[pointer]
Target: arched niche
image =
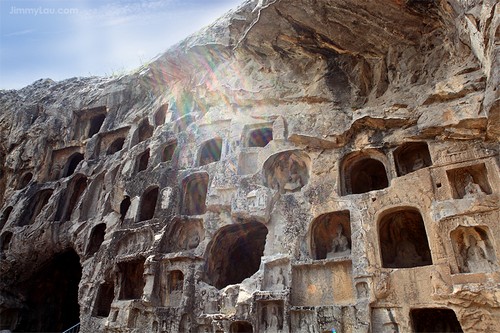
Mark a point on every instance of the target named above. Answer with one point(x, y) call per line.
point(131, 279)
point(363, 172)
point(474, 249)
point(241, 327)
point(35, 206)
point(231, 246)
point(287, 171)
point(144, 132)
point(403, 239)
point(259, 137)
point(141, 162)
point(434, 320)
point(168, 151)
point(147, 204)
point(184, 235)
point(194, 192)
point(160, 115)
point(115, 146)
point(104, 299)
point(72, 164)
point(210, 151)
point(175, 281)
point(25, 180)
point(331, 235)
point(69, 200)
point(92, 199)
point(96, 238)
point(124, 206)
point(469, 181)
point(51, 295)
point(5, 216)
point(5, 240)
point(412, 156)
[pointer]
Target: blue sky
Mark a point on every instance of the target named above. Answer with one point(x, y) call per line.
point(60, 39)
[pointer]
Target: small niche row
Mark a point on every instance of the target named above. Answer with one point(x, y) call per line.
point(403, 241)
point(402, 238)
point(365, 171)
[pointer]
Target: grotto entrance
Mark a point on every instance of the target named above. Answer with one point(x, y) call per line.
point(235, 253)
point(52, 296)
point(435, 320)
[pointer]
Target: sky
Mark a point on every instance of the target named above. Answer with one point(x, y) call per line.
point(60, 39)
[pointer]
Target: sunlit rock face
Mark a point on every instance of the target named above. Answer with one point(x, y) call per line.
point(297, 166)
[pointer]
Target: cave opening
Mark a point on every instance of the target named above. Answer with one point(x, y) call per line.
point(210, 151)
point(148, 204)
point(168, 151)
point(435, 320)
point(412, 156)
point(232, 246)
point(403, 240)
point(195, 193)
point(96, 238)
point(52, 295)
point(241, 327)
point(131, 278)
point(96, 124)
point(104, 299)
point(124, 206)
point(260, 137)
point(73, 162)
point(142, 161)
point(115, 146)
point(362, 174)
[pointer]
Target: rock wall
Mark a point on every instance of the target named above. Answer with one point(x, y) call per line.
point(297, 166)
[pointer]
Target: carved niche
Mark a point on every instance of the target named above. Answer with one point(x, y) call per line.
point(469, 181)
point(403, 240)
point(287, 171)
point(474, 250)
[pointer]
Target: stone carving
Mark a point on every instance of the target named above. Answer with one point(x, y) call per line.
point(473, 249)
point(475, 257)
point(272, 317)
point(471, 188)
point(273, 235)
point(439, 286)
point(287, 172)
point(403, 240)
point(406, 253)
point(340, 244)
point(383, 285)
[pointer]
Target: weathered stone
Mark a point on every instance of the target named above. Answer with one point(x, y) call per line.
point(297, 166)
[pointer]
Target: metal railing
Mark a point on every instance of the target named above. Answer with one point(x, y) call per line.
point(73, 329)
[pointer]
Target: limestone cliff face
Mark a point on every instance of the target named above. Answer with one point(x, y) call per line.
point(297, 166)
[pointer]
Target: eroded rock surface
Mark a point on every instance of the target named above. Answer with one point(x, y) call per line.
point(297, 166)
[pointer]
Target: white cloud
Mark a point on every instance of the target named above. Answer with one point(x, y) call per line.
point(21, 32)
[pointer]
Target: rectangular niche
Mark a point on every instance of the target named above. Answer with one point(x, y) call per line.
point(469, 181)
point(276, 276)
point(131, 278)
point(318, 284)
point(271, 316)
point(303, 320)
point(105, 296)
